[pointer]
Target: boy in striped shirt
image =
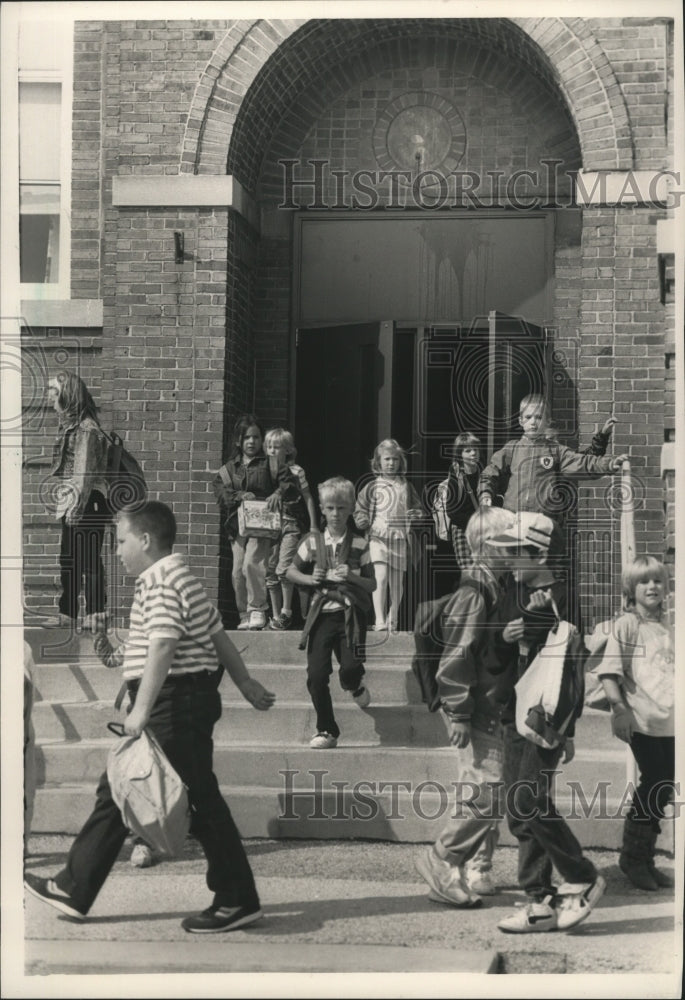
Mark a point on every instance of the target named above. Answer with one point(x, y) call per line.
point(172, 674)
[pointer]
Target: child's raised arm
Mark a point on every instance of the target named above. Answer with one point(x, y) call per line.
point(311, 509)
point(232, 661)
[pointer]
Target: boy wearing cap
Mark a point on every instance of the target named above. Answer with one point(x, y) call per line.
point(545, 840)
point(472, 687)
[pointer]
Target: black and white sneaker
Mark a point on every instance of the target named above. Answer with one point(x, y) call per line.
point(45, 889)
point(575, 903)
point(215, 919)
point(531, 918)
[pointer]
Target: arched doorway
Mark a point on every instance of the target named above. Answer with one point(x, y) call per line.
point(331, 154)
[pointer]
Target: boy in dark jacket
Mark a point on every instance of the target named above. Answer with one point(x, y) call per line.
point(530, 605)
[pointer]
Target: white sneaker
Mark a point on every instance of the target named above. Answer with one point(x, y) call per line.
point(531, 918)
point(257, 621)
point(323, 741)
point(362, 697)
point(244, 623)
point(576, 902)
point(445, 880)
point(479, 882)
point(141, 856)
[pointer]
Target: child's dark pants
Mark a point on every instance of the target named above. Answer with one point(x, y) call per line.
point(182, 721)
point(327, 637)
point(544, 837)
point(655, 757)
point(80, 558)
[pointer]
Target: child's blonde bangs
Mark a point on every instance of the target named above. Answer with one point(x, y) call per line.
point(640, 570)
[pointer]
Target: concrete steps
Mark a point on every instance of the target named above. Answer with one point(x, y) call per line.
point(391, 776)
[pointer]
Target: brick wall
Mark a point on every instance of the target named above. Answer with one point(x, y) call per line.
point(622, 366)
point(637, 49)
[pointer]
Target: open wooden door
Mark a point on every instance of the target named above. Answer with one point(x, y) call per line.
point(341, 375)
point(473, 378)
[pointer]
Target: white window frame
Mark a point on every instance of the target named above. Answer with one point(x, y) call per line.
point(60, 289)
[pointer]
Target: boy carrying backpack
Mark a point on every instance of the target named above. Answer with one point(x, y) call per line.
point(545, 839)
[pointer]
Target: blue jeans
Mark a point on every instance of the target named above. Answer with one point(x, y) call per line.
point(472, 834)
point(249, 573)
point(544, 837)
point(182, 720)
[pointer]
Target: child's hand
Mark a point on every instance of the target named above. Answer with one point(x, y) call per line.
point(257, 694)
point(569, 751)
point(99, 621)
point(339, 574)
point(248, 496)
point(608, 426)
point(319, 574)
point(273, 502)
point(617, 462)
point(622, 722)
point(513, 631)
point(540, 599)
point(459, 733)
point(414, 514)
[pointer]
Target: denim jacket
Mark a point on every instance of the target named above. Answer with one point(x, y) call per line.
point(79, 457)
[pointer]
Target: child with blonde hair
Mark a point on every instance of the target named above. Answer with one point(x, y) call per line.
point(638, 676)
point(334, 564)
point(297, 516)
point(385, 508)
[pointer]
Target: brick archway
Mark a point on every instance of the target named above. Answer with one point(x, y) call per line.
point(261, 66)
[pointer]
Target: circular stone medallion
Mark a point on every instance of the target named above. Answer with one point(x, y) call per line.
point(419, 131)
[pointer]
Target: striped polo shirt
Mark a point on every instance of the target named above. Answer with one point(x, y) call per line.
point(170, 603)
point(359, 560)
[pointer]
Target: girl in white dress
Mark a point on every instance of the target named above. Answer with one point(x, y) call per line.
point(385, 508)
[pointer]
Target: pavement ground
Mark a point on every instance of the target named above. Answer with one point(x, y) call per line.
point(356, 909)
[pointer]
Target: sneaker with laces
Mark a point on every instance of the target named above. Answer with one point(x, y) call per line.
point(215, 919)
point(531, 918)
point(45, 889)
point(323, 741)
point(362, 697)
point(282, 623)
point(257, 621)
point(479, 882)
point(244, 623)
point(446, 881)
point(575, 903)
point(142, 856)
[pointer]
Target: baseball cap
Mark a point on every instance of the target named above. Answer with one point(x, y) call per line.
point(529, 528)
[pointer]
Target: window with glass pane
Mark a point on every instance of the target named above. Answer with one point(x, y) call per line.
point(40, 107)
